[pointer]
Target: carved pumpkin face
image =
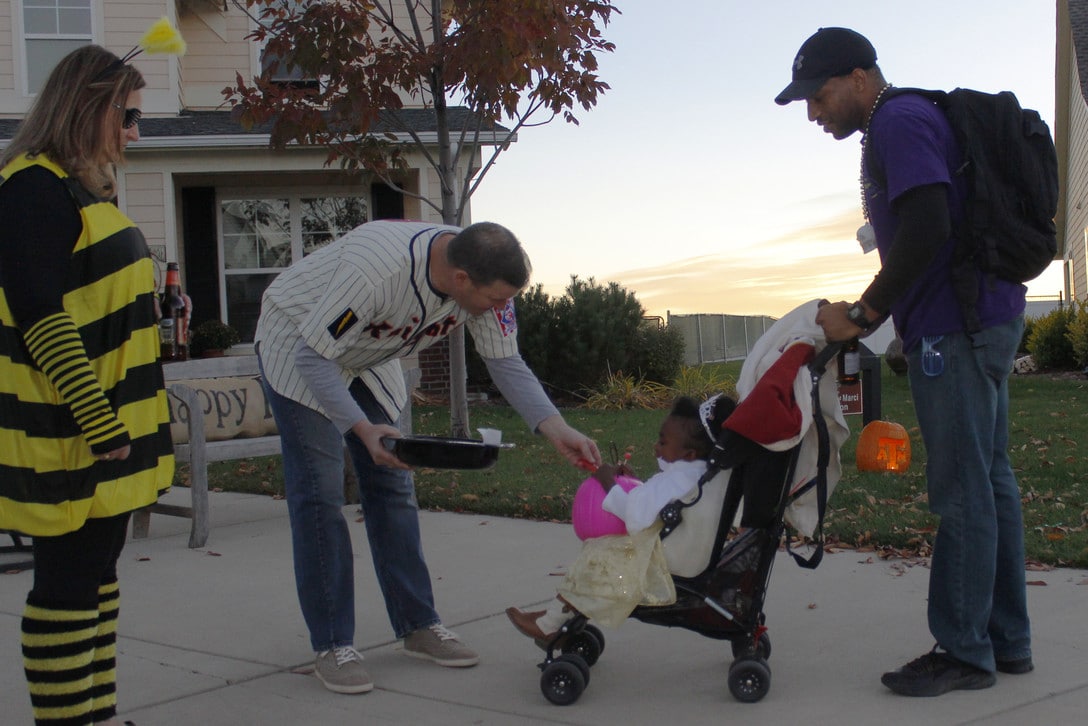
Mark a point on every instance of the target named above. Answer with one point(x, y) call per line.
point(883, 446)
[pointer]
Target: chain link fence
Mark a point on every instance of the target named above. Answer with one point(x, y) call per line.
point(711, 338)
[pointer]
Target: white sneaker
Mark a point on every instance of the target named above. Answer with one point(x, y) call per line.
point(341, 670)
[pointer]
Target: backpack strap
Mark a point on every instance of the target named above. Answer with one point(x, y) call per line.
point(817, 369)
point(873, 166)
point(964, 280)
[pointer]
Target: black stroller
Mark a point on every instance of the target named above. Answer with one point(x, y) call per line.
point(724, 601)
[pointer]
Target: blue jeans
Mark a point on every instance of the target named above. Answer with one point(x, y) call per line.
point(313, 469)
point(977, 589)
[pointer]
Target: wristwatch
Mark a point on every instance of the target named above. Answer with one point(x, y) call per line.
point(856, 315)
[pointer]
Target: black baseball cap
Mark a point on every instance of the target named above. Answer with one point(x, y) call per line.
point(828, 53)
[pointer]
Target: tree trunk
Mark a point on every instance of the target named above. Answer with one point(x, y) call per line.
point(458, 384)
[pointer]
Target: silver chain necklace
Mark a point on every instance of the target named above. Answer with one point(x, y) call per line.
point(864, 148)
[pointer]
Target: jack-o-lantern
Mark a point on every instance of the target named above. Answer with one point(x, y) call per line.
point(883, 446)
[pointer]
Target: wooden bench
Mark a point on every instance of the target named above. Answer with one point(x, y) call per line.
point(198, 452)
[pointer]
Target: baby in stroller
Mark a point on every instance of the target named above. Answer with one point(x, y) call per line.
point(613, 574)
point(774, 461)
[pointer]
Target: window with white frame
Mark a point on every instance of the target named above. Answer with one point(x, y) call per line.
point(51, 30)
point(260, 236)
point(279, 67)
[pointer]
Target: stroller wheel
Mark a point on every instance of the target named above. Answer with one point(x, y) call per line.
point(596, 633)
point(744, 647)
point(578, 661)
point(584, 644)
point(562, 682)
point(749, 679)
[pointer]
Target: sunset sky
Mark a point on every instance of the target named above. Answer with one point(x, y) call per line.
point(690, 187)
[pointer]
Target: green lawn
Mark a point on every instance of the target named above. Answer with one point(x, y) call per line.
point(881, 511)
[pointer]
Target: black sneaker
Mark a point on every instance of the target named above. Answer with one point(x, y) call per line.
point(1016, 666)
point(936, 673)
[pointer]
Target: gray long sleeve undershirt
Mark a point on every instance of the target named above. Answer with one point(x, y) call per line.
point(521, 389)
point(513, 378)
point(323, 378)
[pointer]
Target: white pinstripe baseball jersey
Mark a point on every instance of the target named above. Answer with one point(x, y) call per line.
point(366, 301)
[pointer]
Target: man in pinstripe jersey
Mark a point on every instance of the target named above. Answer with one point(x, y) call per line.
point(331, 334)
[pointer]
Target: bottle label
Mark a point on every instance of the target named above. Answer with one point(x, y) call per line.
point(851, 364)
point(167, 332)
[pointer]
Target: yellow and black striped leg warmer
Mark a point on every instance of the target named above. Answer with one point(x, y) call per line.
point(104, 665)
point(58, 651)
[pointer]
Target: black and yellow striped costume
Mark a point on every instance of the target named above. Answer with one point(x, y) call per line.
point(83, 380)
point(79, 376)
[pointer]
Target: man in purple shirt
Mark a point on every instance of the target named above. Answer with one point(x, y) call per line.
point(913, 202)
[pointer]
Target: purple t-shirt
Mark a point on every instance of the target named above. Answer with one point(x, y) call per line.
point(911, 141)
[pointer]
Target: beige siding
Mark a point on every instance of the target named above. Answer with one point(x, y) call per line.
point(125, 23)
point(152, 180)
point(7, 48)
point(1077, 192)
point(217, 51)
point(143, 202)
point(118, 26)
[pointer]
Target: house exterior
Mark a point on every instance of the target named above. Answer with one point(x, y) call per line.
point(1071, 140)
point(205, 192)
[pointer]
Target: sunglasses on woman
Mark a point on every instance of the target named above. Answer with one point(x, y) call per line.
point(132, 117)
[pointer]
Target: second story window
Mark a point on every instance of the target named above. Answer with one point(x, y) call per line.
point(279, 67)
point(51, 30)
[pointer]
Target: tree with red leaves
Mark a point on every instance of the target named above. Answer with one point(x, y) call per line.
point(507, 64)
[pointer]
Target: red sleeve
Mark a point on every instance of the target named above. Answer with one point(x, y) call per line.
point(770, 413)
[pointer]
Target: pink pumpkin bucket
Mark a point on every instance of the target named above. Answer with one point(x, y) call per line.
point(586, 514)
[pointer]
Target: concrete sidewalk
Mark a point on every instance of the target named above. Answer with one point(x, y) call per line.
point(215, 637)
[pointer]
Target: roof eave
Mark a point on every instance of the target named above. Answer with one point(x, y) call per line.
point(257, 141)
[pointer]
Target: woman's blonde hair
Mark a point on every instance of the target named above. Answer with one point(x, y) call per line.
point(76, 119)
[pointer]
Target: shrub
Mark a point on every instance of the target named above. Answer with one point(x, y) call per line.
point(1077, 334)
point(618, 392)
point(599, 325)
point(702, 382)
point(212, 335)
point(1029, 325)
point(573, 342)
point(1049, 344)
point(659, 353)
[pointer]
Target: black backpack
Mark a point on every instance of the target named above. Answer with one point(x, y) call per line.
point(1011, 172)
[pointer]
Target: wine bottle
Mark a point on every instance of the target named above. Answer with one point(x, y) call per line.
point(173, 326)
point(850, 362)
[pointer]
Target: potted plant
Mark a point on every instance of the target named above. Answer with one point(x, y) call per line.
point(211, 338)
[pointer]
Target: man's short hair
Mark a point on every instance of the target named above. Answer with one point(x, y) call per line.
point(489, 253)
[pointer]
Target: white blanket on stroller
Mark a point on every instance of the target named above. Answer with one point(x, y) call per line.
point(798, 328)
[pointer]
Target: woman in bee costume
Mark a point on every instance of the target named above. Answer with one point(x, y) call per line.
point(84, 429)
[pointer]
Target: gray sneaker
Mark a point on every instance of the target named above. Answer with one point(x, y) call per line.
point(341, 670)
point(440, 645)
